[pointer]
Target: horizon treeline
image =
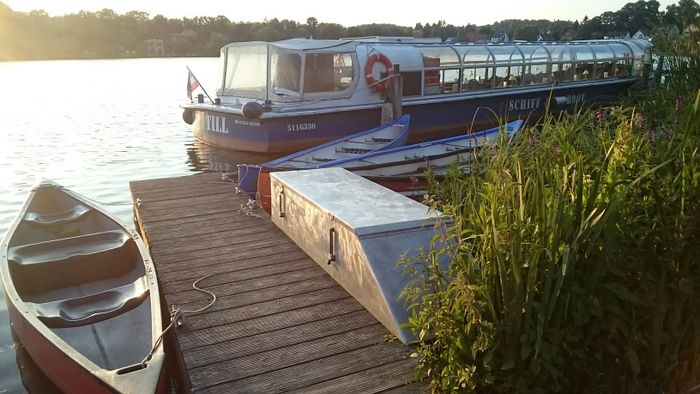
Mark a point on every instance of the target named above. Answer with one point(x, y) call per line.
point(105, 34)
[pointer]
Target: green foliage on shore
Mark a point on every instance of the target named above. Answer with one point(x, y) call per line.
point(576, 258)
point(106, 34)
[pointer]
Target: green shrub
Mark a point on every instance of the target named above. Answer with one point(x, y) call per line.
point(575, 264)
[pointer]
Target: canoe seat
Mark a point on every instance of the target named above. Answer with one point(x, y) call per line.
point(51, 219)
point(378, 139)
point(64, 262)
point(321, 159)
point(356, 151)
point(92, 308)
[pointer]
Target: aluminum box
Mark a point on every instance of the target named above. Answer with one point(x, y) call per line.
point(357, 231)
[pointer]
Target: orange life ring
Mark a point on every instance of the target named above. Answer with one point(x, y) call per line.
point(377, 57)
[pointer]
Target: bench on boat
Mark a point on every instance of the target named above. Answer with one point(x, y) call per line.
point(73, 214)
point(92, 308)
point(50, 265)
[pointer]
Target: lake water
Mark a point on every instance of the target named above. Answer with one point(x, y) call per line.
point(93, 126)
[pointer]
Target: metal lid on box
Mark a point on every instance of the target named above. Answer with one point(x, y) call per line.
point(360, 204)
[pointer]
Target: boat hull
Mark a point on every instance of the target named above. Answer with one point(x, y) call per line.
point(431, 117)
point(62, 370)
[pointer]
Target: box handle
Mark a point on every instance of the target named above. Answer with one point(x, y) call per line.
point(281, 201)
point(331, 246)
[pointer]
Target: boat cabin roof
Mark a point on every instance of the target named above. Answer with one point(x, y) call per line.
point(309, 69)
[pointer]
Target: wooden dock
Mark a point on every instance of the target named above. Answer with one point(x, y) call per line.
point(280, 323)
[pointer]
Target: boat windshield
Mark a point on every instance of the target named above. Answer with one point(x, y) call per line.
point(246, 71)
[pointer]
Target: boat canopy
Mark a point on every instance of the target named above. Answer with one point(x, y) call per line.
point(305, 69)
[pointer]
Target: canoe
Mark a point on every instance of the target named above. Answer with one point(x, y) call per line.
point(389, 135)
point(401, 169)
point(82, 295)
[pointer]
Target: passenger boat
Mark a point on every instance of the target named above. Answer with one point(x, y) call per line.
point(82, 296)
point(389, 135)
point(289, 95)
point(399, 168)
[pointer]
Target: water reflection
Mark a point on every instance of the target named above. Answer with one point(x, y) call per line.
point(206, 158)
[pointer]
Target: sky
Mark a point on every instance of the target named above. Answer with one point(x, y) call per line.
point(347, 13)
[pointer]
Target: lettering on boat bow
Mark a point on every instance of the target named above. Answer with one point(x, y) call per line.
point(244, 122)
point(571, 99)
point(524, 104)
point(216, 124)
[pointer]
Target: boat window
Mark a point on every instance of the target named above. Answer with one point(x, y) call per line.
point(604, 67)
point(432, 75)
point(478, 55)
point(445, 56)
point(560, 53)
point(286, 73)
point(623, 61)
point(328, 72)
point(506, 54)
point(449, 81)
point(584, 68)
point(562, 72)
point(508, 76)
point(476, 79)
point(535, 54)
point(246, 71)
point(536, 74)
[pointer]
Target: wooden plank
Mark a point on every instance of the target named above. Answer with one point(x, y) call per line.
point(180, 181)
point(212, 226)
point(187, 212)
point(278, 338)
point(229, 209)
point(277, 292)
point(312, 372)
point(189, 262)
point(187, 191)
point(217, 334)
point(162, 207)
point(265, 361)
point(225, 314)
point(265, 282)
point(215, 238)
point(391, 376)
point(241, 237)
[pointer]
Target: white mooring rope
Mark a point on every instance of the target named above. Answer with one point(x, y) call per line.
point(177, 318)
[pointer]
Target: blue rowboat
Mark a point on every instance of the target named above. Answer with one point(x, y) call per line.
point(397, 168)
point(389, 135)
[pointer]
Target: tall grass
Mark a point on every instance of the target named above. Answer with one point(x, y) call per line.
point(576, 258)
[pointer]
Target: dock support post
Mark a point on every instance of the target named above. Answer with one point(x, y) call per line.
point(396, 92)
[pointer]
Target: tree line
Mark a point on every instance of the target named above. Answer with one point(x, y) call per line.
point(106, 34)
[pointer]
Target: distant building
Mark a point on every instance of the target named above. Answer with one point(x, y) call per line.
point(500, 36)
point(639, 35)
point(154, 47)
point(568, 35)
point(546, 36)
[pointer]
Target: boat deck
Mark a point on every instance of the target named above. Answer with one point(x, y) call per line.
point(280, 323)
